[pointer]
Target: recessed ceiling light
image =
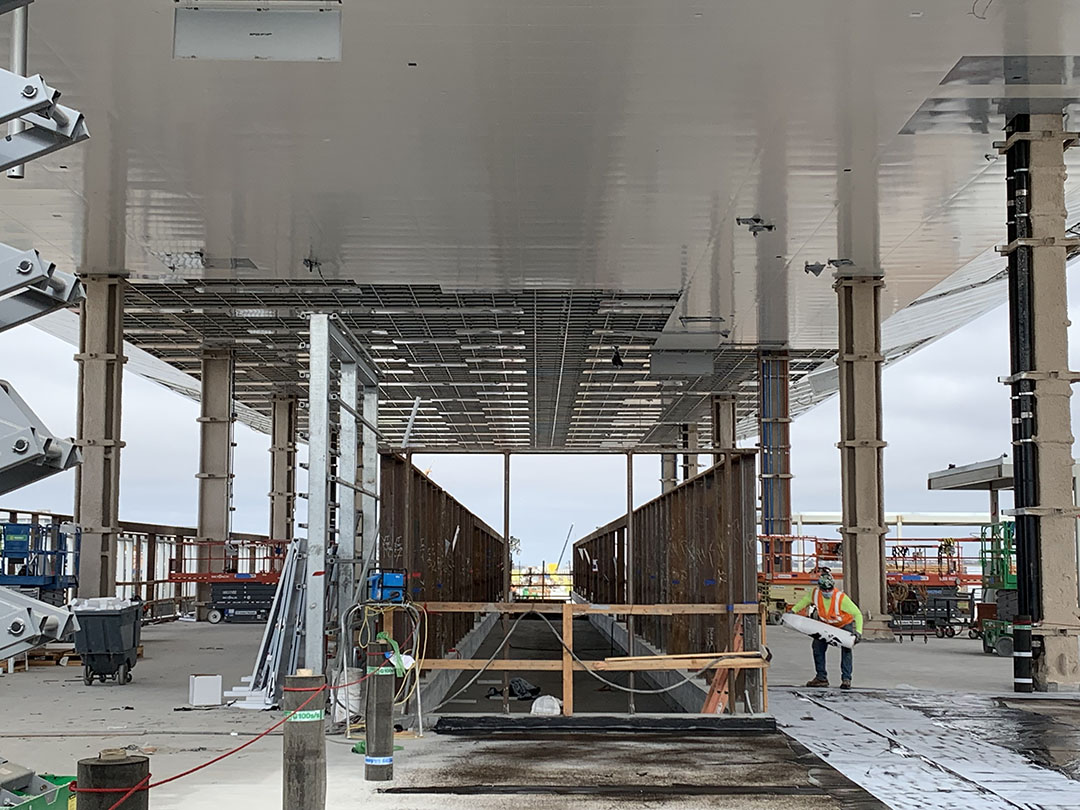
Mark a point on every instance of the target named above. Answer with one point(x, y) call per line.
point(915, 14)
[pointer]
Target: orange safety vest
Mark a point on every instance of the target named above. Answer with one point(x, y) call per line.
point(830, 612)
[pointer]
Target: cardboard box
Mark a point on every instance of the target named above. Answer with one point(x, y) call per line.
point(204, 690)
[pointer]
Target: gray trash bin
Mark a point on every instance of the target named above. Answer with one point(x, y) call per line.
point(108, 642)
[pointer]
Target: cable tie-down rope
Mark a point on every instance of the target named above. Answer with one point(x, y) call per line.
point(146, 784)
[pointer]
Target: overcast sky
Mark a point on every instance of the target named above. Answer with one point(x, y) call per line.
point(943, 405)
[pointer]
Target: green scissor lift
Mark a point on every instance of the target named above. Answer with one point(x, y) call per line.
point(997, 554)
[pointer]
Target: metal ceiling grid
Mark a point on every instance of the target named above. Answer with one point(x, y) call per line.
point(493, 370)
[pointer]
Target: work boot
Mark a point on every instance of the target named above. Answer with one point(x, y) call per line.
point(845, 684)
point(818, 682)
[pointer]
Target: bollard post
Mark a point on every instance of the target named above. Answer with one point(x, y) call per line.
point(304, 749)
point(379, 726)
point(1022, 679)
point(110, 771)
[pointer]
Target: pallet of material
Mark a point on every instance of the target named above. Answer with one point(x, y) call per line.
point(61, 657)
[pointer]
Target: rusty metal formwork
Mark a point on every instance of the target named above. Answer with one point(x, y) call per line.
point(696, 544)
point(451, 555)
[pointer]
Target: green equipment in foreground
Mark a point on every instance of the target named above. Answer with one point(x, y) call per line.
point(23, 789)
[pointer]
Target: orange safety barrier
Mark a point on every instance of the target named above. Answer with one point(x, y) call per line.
point(247, 560)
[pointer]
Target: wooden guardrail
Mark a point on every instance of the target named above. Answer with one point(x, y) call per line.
point(734, 662)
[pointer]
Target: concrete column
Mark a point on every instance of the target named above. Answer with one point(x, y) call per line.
point(215, 460)
point(689, 437)
point(1047, 577)
point(861, 445)
point(723, 422)
point(284, 419)
point(668, 472)
point(97, 480)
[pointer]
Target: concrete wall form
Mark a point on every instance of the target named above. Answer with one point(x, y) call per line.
point(451, 555)
point(695, 544)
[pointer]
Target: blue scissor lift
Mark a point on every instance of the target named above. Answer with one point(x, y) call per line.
point(44, 557)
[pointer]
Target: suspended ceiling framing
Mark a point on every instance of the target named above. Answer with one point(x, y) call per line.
point(549, 156)
point(516, 369)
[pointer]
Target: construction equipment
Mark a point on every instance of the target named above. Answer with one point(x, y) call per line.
point(28, 451)
point(27, 623)
point(21, 788)
point(42, 560)
point(997, 555)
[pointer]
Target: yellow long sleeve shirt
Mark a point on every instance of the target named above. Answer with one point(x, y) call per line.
point(846, 604)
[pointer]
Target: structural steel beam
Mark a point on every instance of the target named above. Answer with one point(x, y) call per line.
point(215, 474)
point(862, 492)
point(1046, 545)
point(284, 418)
point(97, 479)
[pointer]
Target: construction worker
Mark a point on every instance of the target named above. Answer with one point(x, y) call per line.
point(834, 607)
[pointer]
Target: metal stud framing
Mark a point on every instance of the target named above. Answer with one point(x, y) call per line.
point(332, 352)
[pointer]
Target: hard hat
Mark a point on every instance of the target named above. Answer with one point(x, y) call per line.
point(825, 580)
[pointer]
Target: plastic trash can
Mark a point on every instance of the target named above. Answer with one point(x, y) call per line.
point(108, 641)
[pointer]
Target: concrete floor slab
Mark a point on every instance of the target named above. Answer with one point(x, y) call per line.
point(925, 747)
point(950, 664)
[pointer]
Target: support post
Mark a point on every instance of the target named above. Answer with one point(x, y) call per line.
point(379, 728)
point(369, 474)
point(507, 575)
point(20, 41)
point(723, 424)
point(774, 432)
point(318, 536)
point(861, 444)
point(215, 465)
point(689, 436)
point(111, 770)
point(567, 660)
point(631, 558)
point(284, 416)
point(304, 744)
point(1041, 383)
point(97, 480)
point(348, 498)
point(668, 472)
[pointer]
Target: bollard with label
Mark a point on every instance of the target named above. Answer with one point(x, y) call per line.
point(304, 750)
